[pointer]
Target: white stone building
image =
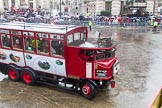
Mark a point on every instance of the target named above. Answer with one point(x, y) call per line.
point(96, 6)
point(24, 4)
point(89, 7)
point(115, 7)
point(93, 7)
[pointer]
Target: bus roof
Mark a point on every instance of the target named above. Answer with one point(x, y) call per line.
point(40, 27)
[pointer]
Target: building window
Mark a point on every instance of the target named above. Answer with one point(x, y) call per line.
point(23, 3)
point(108, 6)
point(140, 1)
point(31, 5)
point(13, 2)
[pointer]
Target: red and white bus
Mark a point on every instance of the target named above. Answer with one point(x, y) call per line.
point(58, 55)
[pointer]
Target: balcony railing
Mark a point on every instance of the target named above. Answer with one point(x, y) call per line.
point(138, 5)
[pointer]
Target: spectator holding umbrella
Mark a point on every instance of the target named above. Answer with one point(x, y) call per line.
point(159, 20)
point(119, 20)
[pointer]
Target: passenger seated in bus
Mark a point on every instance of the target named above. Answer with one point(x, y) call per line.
point(28, 45)
point(38, 43)
point(60, 48)
point(6, 41)
point(54, 44)
point(17, 43)
point(56, 47)
point(44, 46)
point(53, 51)
point(86, 55)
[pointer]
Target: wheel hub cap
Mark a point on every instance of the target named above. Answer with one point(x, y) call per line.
point(86, 89)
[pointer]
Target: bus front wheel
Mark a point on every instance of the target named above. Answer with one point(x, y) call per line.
point(28, 77)
point(13, 74)
point(88, 90)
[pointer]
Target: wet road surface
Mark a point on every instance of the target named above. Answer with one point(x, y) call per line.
point(140, 55)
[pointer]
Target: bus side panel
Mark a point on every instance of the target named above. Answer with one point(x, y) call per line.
point(46, 64)
point(76, 69)
point(75, 66)
point(12, 57)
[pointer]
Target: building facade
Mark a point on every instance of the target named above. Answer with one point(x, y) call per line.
point(117, 7)
point(8, 4)
point(93, 7)
point(88, 7)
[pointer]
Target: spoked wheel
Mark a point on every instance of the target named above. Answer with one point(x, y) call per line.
point(13, 74)
point(88, 90)
point(28, 77)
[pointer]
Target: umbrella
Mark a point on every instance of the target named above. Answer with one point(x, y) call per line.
point(38, 16)
point(61, 19)
point(112, 17)
point(11, 17)
point(66, 16)
point(55, 17)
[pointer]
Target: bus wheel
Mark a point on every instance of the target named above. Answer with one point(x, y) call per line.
point(88, 90)
point(28, 77)
point(13, 74)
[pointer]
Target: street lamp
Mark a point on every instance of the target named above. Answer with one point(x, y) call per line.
point(51, 6)
point(154, 7)
point(60, 8)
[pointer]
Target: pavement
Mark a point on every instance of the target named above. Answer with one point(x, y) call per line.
point(103, 29)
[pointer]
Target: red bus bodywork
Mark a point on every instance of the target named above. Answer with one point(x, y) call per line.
point(75, 61)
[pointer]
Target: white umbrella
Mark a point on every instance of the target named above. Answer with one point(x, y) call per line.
point(66, 16)
point(113, 17)
point(38, 16)
point(61, 19)
point(55, 17)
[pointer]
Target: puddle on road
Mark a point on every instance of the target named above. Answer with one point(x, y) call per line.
point(2, 77)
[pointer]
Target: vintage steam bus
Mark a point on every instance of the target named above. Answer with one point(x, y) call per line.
point(58, 55)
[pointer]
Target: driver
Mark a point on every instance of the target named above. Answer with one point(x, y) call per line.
point(87, 55)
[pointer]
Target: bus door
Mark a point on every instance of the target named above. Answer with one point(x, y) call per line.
point(75, 66)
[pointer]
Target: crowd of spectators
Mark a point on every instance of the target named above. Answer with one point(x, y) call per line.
point(41, 16)
point(128, 21)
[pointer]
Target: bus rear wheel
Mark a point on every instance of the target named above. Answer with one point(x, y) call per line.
point(13, 74)
point(28, 77)
point(88, 90)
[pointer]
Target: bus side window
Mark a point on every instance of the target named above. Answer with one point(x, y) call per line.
point(5, 40)
point(56, 47)
point(43, 47)
point(17, 42)
point(28, 44)
point(70, 39)
point(53, 46)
